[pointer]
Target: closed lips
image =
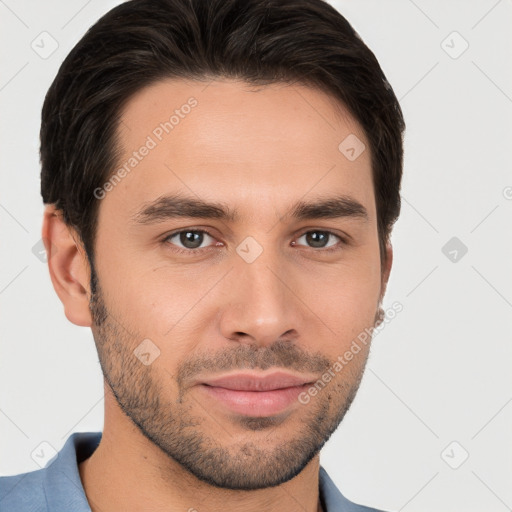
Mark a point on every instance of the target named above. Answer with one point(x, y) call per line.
point(247, 382)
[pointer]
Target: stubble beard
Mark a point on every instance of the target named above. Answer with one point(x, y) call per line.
point(183, 435)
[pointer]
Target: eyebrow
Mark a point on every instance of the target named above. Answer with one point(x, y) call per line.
point(176, 206)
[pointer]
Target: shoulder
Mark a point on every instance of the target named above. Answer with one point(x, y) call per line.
point(23, 493)
point(57, 487)
point(334, 501)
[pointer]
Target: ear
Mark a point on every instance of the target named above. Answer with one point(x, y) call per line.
point(68, 265)
point(386, 270)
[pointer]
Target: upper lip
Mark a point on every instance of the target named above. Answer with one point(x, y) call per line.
point(258, 382)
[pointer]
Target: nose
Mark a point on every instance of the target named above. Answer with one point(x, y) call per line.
point(261, 306)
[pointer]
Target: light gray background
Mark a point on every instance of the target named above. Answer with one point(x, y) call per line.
point(438, 373)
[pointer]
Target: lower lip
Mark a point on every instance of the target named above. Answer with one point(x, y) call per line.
point(256, 403)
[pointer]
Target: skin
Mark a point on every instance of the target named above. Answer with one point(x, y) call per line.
point(166, 444)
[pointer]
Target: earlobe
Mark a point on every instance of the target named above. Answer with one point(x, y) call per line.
point(68, 266)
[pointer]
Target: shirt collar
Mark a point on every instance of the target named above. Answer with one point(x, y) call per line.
point(62, 473)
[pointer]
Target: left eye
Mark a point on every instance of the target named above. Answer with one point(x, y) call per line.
point(190, 239)
point(319, 239)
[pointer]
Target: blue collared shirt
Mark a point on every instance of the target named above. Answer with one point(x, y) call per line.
point(58, 488)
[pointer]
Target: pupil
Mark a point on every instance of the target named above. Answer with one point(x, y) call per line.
point(191, 239)
point(317, 238)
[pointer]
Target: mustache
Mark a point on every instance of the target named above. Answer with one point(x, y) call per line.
point(281, 354)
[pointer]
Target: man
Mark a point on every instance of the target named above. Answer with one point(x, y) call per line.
point(221, 178)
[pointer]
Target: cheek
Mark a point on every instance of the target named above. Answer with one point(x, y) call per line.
point(346, 302)
point(347, 313)
point(163, 304)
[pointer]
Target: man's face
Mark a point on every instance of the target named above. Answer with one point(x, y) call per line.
point(265, 291)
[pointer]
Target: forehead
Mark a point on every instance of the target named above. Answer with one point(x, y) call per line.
point(228, 140)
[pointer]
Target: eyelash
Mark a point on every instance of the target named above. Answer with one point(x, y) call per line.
point(189, 252)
